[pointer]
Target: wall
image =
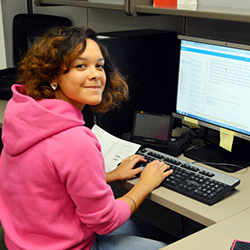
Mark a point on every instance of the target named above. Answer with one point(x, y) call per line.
point(114, 20)
point(9, 9)
point(225, 3)
point(98, 19)
point(219, 29)
point(3, 62)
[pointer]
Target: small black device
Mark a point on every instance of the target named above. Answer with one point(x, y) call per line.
point(155, 130)
point(152, 128)
point(178, 145)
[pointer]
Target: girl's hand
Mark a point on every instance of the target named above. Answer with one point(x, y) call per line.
point(151, 177)
point(154, 173)
point(126, 169)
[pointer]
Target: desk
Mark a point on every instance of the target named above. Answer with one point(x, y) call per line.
point(220, 218)
point(206, 215)
point(219, 236)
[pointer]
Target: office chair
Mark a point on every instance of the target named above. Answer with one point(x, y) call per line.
point(26, 28)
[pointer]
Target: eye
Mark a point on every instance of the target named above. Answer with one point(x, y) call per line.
point(80, 66)
point(100, 66)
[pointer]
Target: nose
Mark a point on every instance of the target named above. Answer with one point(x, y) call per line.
point(94, 74)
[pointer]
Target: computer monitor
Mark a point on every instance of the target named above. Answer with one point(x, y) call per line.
point(214, 89)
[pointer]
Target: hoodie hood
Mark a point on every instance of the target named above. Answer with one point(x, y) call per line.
point(28, 121)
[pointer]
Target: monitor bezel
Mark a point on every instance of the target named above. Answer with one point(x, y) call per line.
point(214, 42)
point(219, 43)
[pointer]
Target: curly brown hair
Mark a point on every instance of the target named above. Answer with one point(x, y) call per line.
point(43, 61)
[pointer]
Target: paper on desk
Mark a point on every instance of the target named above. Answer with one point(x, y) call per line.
point(114, 149)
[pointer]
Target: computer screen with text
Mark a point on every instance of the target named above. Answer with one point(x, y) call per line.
point(214, 85)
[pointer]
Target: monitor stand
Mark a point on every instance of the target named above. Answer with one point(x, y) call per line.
point(214, 154)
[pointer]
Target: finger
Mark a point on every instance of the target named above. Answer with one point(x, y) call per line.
point(156, 162)
point(130, 158)
point(139, 161)
point(168, 172)
point(140, 157)
point(138, 170)
point(135, 158)
point(165, 167)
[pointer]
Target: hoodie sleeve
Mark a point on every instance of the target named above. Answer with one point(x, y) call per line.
point(76, 156)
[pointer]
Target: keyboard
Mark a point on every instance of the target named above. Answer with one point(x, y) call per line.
point(197, 182)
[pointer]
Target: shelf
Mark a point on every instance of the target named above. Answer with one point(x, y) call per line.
point(219, 13)
point(79, 3)
point(137, 7)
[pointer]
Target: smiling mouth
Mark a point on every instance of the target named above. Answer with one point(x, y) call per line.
point(93, 87)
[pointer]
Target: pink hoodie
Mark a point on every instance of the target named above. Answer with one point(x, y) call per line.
point(53, 192)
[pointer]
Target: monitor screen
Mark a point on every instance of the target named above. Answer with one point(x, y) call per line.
point(214, 84)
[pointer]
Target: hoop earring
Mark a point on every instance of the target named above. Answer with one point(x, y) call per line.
point(54, 85)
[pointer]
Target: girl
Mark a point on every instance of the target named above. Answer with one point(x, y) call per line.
point(54, 193)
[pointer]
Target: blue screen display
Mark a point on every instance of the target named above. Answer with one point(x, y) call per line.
point(214, 85)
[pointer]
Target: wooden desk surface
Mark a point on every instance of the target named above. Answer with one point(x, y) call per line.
point(235, 203)
point(219, 236)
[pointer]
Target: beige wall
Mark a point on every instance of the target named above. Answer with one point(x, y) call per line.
point(3, 62)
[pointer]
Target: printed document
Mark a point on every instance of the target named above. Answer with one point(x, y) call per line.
point(114, 149)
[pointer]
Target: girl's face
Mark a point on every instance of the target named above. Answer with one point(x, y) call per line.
point(85, 81)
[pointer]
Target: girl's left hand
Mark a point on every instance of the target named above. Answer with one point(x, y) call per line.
point(126, 170)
